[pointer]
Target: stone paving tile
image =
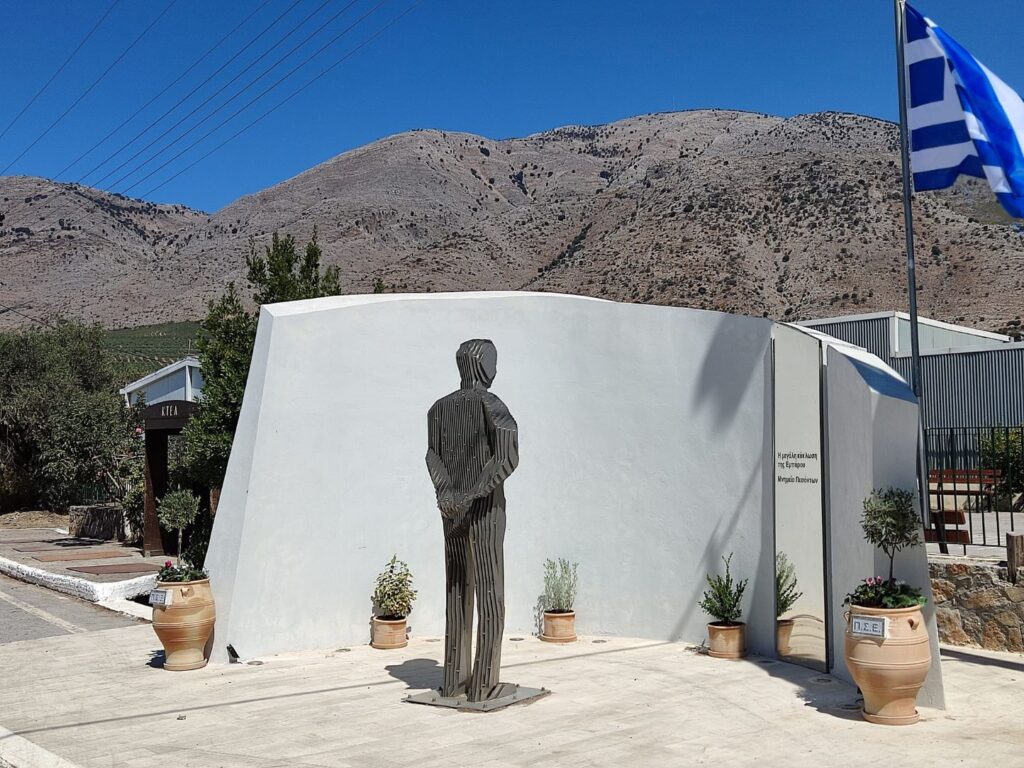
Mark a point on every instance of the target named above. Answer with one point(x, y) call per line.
point(96, 701)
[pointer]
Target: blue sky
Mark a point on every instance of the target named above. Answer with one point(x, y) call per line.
point(495, 68)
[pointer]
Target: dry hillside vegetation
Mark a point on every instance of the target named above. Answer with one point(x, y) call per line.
point(740, 212)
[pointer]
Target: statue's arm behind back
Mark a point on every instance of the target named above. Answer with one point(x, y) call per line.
point(504, 448)
point(438, 473)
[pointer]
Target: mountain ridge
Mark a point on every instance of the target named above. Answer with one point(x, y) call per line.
point(718, 209)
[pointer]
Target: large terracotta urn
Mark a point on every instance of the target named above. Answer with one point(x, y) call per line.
point(889, 670)
point(184, 623)
point(727, 640)
point(559, 627)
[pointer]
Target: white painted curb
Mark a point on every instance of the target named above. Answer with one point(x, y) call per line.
point(19, 752)
point(95, 592)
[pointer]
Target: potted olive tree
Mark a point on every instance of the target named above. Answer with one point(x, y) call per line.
point(786, 595)
point(887, 649)
point(393, 597)
point(723, 601)
point(559, 597)
point(183, 609)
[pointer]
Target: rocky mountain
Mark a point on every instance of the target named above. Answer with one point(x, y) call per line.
point(783, 217)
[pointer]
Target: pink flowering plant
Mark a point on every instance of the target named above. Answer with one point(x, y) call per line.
point(878, 592)
point(890, 523)
point(182, 572)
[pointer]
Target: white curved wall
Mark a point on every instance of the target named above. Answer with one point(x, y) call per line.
point(645, 455)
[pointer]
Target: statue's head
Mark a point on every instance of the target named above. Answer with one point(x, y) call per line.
point(478, 363)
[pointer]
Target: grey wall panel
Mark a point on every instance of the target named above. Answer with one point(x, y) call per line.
point(971, 389)
point(937, 337)
point(873, 334)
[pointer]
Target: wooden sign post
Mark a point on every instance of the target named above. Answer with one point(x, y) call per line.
point(1014, 555)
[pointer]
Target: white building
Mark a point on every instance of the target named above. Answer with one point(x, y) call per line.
point(181, 380)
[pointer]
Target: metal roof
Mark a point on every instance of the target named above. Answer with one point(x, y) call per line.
point(145, 381)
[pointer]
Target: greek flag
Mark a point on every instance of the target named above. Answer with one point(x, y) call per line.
point(962, 118)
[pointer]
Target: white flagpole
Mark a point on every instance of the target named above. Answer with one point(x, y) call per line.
point(908, 225)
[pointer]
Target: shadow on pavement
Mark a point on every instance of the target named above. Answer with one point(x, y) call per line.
point(825, 693)
point(985, 661)
point(417, 673)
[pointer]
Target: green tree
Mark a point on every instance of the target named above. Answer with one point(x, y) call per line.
point(890, 522)
point(178, 510)
point(1002, 449)
point(280, 275)
point(225, 342)
point(63, 426)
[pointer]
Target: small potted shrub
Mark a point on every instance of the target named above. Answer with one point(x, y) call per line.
point(887, 649)
point(183, 609)
point(559, 597)
point(392, 602)
point(722, 601)
point(786, 595)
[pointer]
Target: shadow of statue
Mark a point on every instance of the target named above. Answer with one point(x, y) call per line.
point(156, 659)
point(417, 673)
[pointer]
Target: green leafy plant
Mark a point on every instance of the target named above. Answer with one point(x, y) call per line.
point(560, 579)
point(393, 595)
point(65, 432)
point(786, 593)
point(723, 599)
point(891, 524)
point(225, 343)
point(1003, 450)
point(177, 510)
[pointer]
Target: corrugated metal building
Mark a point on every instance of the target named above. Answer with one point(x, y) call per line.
point(970, 378)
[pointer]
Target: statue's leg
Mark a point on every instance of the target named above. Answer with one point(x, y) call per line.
point(458, 610)
point(487, 536)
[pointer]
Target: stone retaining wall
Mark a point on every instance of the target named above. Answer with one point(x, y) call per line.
point(976, 605)
point(97, 521)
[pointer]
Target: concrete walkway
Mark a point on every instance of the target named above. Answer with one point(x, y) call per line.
point(54, 560)
point(28, 612)
point(95, 700)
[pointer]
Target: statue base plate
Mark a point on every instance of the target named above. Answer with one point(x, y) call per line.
point(509, 694)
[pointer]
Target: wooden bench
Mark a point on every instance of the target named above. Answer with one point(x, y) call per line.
point(950, 492)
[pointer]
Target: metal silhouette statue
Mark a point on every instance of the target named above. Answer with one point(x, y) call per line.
point(473, 447)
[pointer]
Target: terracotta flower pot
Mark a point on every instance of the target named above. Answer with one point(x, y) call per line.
point(889, 671)
point(726, 641)
point(185, 623)
point(783, 633)
point(559, 627)
point(389, 633)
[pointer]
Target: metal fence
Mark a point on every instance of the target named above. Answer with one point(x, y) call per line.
point(976, 480)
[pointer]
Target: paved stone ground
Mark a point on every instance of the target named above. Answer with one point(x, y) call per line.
point(95, 700)
point(11, 539)
point(28, 612)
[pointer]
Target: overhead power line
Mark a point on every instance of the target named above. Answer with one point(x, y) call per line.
point(259, 96)
point(188, 95)
point(90, 88)
point(164, 90)
point(220, 90)
point(281, 103)
point(59, 69)
point(238, 93)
